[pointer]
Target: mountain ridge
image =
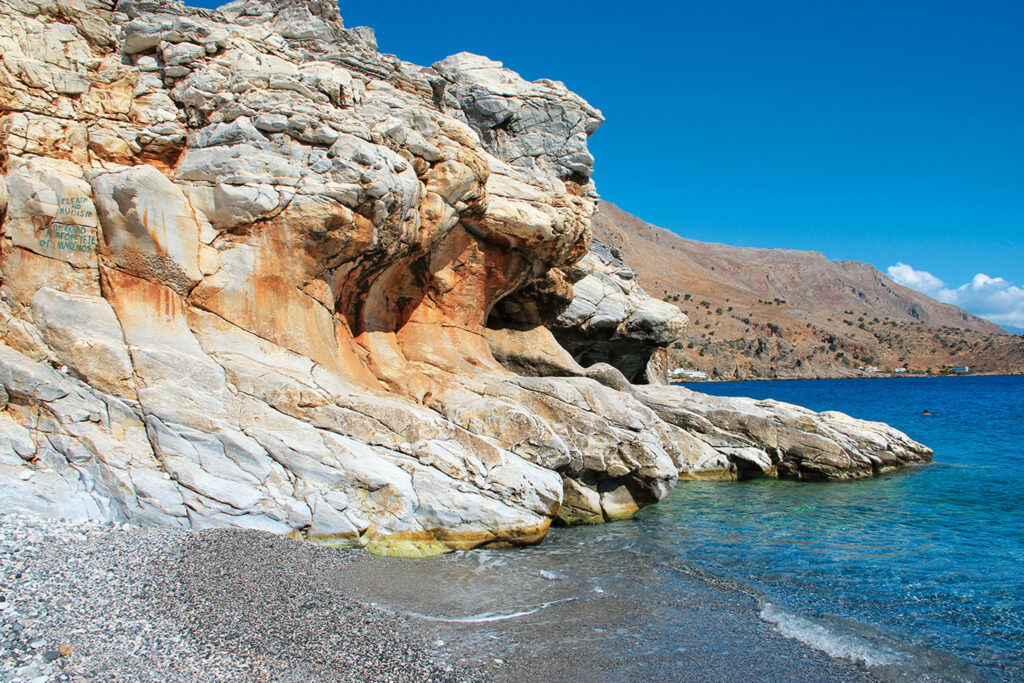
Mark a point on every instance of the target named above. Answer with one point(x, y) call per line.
point(801, 313)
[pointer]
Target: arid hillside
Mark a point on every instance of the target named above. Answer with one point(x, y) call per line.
point(763, 313)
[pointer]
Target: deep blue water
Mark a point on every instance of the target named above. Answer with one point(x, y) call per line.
point(916, 575)
point(932, 556)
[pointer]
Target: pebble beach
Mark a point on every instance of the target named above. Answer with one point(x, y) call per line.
point(85, 601)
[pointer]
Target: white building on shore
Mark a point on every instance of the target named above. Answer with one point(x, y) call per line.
point(682, 374)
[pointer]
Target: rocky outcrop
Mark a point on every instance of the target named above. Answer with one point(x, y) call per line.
point(775, 439)
point(604, 317)
point(612, 320)
point(252, 272)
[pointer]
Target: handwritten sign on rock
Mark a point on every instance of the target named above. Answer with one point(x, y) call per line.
point(63, 233)
point(80, 238)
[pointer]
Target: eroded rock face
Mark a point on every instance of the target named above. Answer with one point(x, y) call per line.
point(248, 264)
point(612, 320)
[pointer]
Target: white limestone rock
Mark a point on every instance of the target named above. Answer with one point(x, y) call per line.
point(248, 262)
point(148, 226)
point(85, 335)
point(612, 320)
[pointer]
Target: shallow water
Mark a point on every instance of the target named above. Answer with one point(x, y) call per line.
point(933, 556)
point(911, 576)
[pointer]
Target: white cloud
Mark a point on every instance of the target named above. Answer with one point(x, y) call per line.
point(921, 280)
point(992, 298)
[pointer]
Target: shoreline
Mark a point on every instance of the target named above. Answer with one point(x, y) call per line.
point(85, 601)
point(606, 618)
point(871, 376)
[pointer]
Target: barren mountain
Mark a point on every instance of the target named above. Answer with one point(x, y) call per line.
point(786, 313)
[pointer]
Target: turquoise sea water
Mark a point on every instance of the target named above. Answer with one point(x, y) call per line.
point(916, 575)
point(931, 557)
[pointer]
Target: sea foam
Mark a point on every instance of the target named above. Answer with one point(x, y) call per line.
point(827, 640)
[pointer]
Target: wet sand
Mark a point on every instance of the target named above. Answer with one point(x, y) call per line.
point(621, 633)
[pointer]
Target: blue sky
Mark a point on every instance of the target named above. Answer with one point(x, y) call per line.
point(887, 132)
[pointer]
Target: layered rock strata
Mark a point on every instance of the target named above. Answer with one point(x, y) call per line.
point(248, 264)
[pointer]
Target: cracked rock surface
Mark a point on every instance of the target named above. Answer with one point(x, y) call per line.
point(248, 269)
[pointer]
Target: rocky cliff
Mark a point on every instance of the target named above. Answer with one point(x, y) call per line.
point(612, 319)
point(252, 275)
point(785, 313)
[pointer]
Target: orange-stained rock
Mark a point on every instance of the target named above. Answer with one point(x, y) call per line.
point(247, 278)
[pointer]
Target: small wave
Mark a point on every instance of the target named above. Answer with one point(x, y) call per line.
point(820, 637)
point(488, 616)
point(888, 658)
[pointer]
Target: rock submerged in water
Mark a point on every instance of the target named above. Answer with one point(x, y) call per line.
point(253, 273)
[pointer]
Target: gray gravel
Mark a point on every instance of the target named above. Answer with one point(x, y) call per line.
point(82, 601)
